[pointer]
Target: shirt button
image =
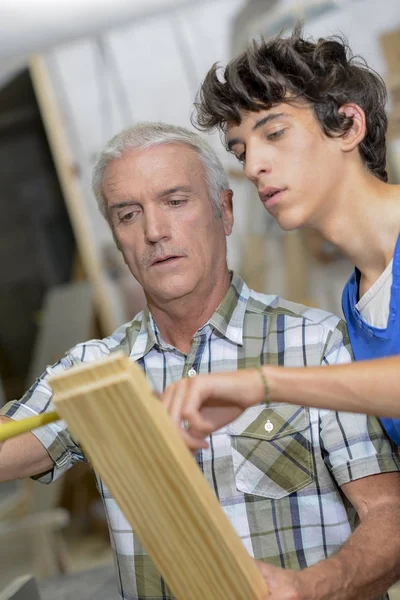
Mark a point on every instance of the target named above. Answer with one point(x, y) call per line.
point(268, 426)
point(192, 373)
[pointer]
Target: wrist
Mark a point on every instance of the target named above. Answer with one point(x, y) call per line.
point(323, 581)
point(268, 384)
point(267, 396)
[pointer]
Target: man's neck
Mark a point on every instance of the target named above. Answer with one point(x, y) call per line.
point(179, 319)
point(363, 221)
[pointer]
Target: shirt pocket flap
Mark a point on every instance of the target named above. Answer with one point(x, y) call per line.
point(270, 423)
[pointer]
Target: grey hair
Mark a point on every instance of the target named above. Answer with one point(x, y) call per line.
point(146, 135)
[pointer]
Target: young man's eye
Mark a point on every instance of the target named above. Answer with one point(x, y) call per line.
point(176, 202)
point(275, 134)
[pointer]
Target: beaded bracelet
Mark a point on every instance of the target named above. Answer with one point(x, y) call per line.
point(267, 391)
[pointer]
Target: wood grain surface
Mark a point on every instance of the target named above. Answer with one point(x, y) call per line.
point(133, 445)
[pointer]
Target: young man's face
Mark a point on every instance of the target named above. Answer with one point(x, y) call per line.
point(163, 220)
point(294, 165)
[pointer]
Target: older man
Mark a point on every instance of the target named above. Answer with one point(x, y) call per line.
point(282, 473)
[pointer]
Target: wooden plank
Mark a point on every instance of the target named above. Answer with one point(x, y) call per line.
point(133, 445)
point(296, 267)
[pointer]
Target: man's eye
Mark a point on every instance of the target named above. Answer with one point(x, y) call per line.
point(176, 202)
point(275, 134)
point(125, 218)
point(241, 157)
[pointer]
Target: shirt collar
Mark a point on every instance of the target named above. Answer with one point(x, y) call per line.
point(228, 319)
point(142, 333)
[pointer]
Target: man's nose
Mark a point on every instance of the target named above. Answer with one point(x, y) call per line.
point(257, 163)
point(156, 226)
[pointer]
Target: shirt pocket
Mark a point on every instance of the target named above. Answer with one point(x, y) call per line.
point(272, 450)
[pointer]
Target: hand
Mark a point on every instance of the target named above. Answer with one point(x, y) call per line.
point(283, 584)
point(208, 402)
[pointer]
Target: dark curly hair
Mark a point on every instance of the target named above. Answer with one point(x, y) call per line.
point(325, 73)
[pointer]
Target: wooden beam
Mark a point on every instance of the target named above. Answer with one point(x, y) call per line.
point(133, 445)
point(66, 171)
point(296, 267)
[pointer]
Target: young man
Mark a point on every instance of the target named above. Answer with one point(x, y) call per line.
point(307, 121)
point(290, 479)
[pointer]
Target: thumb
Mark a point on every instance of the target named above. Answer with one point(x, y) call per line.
point(278, 581)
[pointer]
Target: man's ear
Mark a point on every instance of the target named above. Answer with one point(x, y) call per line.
point(356, 133)
point(225, 199)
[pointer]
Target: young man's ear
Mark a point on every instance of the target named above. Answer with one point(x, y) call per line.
point(225, 199)
point(355, 135)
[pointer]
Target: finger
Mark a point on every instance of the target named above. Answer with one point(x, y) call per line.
point(172, 399)
point(193, 442)
point(168, 396)
point(177, 403)
point(196, 421)
point(198, 394)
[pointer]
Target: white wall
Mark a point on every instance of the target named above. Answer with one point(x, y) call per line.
point(132, 74)
point(27, 27)
point(150, 71)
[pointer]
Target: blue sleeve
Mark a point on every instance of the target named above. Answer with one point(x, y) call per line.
point(392, 428)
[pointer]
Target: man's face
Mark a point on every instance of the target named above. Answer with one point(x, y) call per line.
point(163, 220)
point(294, 165)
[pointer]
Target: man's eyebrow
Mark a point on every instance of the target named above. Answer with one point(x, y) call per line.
point(173, 190)
point(166, 192)
point(257, 124)
point(268, 118)
point(118, 205)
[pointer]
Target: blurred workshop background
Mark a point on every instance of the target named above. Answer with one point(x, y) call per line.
point(73, 73)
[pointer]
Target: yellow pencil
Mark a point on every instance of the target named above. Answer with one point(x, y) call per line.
point(9, 430)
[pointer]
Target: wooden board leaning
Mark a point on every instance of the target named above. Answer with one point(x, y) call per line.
point(132, 444)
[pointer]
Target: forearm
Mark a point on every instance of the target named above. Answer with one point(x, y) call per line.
point(366, 566)
point(371, 387)
point(22, 456)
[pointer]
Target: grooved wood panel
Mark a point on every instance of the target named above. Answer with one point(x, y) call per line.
point(133, 445)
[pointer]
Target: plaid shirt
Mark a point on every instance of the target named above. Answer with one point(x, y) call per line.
point(276, 471)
